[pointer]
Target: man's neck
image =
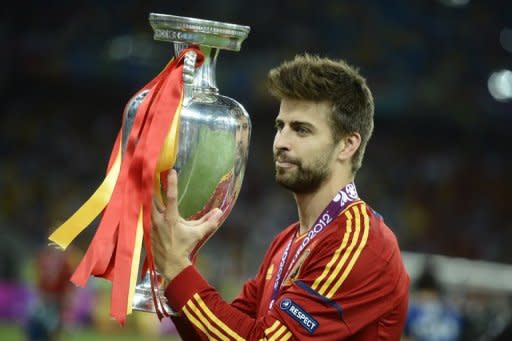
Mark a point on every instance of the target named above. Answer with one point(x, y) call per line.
point(310, 205)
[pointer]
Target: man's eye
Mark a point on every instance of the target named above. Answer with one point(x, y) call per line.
point(302, 130)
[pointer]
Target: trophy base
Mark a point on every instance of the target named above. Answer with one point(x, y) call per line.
point(143, 299)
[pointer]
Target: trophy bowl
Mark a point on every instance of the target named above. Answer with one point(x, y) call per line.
point(214, 130)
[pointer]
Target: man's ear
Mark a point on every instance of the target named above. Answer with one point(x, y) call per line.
point(348, 146)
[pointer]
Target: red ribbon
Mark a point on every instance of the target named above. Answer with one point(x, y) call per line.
point(110, 252)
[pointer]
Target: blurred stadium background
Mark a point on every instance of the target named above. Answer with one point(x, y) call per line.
point(438, 167)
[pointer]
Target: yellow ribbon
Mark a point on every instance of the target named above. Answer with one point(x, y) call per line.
point(71, 228)
point(135, 262)
point(75, 224)
point(169, 152)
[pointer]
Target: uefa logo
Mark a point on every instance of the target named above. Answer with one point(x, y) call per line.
point(285, 304)
point(351, 191)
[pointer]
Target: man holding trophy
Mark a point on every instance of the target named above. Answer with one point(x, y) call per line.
point(337, 273)
point(174, 175)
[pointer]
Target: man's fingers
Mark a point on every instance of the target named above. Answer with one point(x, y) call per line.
point(210, 215)
point(203, 218)
point(171, 210)
point(211, 222)
point(157, 211)
point(155, 218)
point(160, 207)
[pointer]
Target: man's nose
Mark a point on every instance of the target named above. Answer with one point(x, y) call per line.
point(282, 140)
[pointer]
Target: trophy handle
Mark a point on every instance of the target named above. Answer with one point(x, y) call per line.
point(189, 70)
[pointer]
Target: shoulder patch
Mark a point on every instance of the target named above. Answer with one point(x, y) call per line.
point(299, 315)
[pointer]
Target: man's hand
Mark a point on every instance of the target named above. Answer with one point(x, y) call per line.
point(173, 238)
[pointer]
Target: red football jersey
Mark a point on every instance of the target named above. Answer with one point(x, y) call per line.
point(349, 283)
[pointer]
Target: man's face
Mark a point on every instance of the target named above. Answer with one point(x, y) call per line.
point(303, 145)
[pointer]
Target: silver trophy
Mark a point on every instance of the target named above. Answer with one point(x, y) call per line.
point(214, 130)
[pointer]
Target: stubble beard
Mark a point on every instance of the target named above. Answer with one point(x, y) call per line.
point(302, 179)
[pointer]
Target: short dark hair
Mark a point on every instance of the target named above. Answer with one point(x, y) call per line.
point(312, 78)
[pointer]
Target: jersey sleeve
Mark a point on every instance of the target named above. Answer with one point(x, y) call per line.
point(185, 328)
point(246, 302)
point(342, 287)
point(215, 319)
